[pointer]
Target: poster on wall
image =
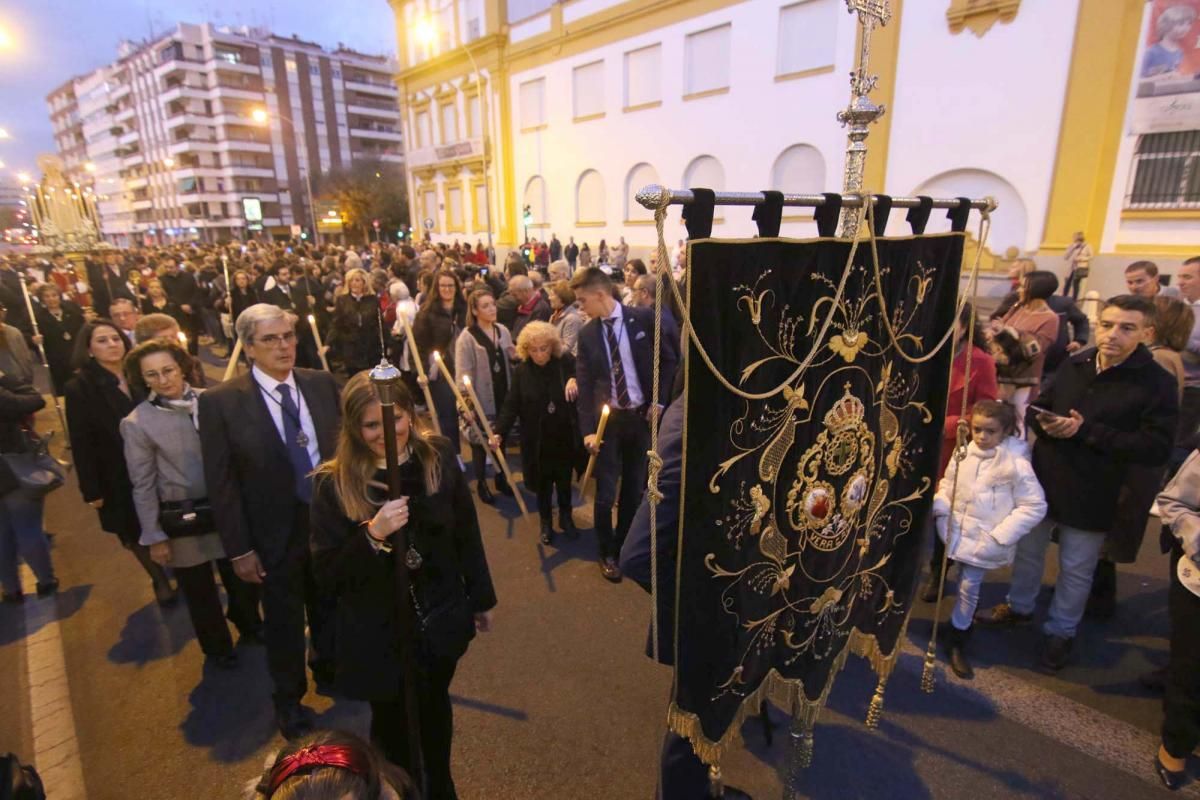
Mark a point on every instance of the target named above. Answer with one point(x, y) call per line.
point(1168, 72)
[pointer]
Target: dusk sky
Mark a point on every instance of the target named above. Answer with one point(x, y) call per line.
point(56, 39)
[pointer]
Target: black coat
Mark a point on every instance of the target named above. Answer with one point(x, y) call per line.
point(107, 286)
point(58, 340)
point(18, 400)
point(1129, 416)
point(246, 465)
point(443, 528)
point(296, 301)
point(95, 407)
point(532, 388)
point(182, 289)
point(354, 333)
point(435, 328)
point(241, 299)
point(593, 371)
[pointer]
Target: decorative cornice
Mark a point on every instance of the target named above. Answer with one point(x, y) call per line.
point(980, 15)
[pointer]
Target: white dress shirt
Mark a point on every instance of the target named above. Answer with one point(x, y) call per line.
point(636, 397)
point(269, 386)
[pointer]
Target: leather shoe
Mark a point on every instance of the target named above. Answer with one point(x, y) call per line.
point(1055, 652)
point(567, 523)
point(48, 588)
point(502, 485)
point(485, 493)
point(292, 721)
point(1002, 615)
point(610, 570)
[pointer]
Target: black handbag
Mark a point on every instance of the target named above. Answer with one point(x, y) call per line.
point(34, 469)
point(445, 630)
point(186, 518)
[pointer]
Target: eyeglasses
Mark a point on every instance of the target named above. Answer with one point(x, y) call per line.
point(276, 339)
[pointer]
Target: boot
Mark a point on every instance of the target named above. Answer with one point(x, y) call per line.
point(567, 523)
point(956, 651)
point(485, 494)
point(547, 530)
point(502, 485)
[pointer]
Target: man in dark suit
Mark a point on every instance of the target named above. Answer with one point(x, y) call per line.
point(291, 297)
point(107, 279)
point(180, 286)
point(615, 367)
point(261, 435)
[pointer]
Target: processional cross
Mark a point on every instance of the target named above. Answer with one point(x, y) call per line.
point(862, 111)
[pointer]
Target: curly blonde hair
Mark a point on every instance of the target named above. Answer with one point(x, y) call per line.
point(536, 332)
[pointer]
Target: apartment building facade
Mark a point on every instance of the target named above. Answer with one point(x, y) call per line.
point(212, 133)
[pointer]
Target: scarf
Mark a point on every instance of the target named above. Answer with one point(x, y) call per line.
point(527, 309)
point(185, 404)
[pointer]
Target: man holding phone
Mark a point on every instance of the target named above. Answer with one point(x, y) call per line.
point(1108, 407)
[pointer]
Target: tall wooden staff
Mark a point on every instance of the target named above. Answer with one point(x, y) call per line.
point(422, 379)
point(62, 419)
point(591, 465)
point(498, 452)
point(236, 352)
point(386, 379)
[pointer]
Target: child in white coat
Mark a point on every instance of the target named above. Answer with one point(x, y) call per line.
point(997, 501)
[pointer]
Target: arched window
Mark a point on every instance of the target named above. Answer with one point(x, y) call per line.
point(800, 169)
point(1010, 229)
point(640, 176)
point(535, 198)
point(589, 198)
point(704, 172)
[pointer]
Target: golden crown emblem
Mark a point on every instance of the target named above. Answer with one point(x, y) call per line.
point(847, 412)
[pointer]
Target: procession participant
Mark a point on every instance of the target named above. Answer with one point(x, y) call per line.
point(614, 367)
point(484, 355)
point(566, 317)
point(284, 294)
point(180, 286)
point(97, 399)
point(261, 434)
point(107, 279)
point(542, 397)
point(15, 358)
point(531, 303)
point(243, 295)
point(442, 317)
point(124, 312)
point(354, 334)
point(166, 328)
point(22, 537)
point(332, 764)
point(162, 453)
point(451, 589)
point(59, 323)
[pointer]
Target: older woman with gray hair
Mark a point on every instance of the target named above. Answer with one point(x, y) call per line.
point(542, 398)
point(162, 452)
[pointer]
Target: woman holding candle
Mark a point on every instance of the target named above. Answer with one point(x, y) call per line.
point(542, 398)
point(482, 354)
point(442, 317)
point(58, 322)
point(354, 334)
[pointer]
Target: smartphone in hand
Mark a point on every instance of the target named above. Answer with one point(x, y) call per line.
point(1046, 411)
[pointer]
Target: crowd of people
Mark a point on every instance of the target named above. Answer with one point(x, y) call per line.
point(274, 477)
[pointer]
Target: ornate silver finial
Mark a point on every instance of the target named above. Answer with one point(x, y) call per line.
point(862, 111)
point(386, 378)
point(653, 196)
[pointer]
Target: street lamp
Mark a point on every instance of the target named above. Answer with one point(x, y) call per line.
point(23, 178)
point(426, 32)
point(260, 116)
point(6, 39)
point(4, 134)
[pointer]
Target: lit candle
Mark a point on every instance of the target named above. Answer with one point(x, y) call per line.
point(498, 452)
point(587, 474)
point(422, 380)
point(312, 323)
point(182, 339)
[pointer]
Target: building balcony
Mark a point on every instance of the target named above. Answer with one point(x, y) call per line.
point(136, 183)
point(389, 111)
point(183, 93)
point(142, 205)
point(125, 113)
point(243, 146)
point(381, 89)
point(222, 91)
point(380, 135)
point(129, 137)
point(192, 146)
point(463, 150)
point(177, 65)
point(189, 118)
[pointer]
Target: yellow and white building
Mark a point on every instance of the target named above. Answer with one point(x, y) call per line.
point(569, 107)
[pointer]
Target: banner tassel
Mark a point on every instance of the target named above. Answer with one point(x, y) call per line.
point(876, 709)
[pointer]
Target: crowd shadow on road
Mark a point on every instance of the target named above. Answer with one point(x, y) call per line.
point(152, 633)
point(26, 619)
point(562, 550)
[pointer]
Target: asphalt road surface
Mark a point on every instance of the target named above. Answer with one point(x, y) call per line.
point(108, 695)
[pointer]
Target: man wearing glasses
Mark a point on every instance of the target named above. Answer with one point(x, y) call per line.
point(261, 435)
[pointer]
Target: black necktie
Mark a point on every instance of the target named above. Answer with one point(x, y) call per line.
point(618, 366)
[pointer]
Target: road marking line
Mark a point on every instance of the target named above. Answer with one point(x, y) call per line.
point(55, 743)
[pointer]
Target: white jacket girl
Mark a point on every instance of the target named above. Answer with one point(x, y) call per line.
point(998, 501)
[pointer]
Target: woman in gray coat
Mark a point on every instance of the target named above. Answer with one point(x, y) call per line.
point(162, 452)
point(484, 353)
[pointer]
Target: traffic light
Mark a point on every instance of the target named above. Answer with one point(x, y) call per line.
point(528, 215)
point(400, 234)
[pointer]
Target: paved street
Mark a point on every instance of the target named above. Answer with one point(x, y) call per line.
point(106, 693)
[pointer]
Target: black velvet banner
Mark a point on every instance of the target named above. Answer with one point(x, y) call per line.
point(801, 512)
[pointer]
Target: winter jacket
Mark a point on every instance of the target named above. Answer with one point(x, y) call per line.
point(997, 501)
point(1129, 412)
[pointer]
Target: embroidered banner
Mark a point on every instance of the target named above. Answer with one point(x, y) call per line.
point(801, 512)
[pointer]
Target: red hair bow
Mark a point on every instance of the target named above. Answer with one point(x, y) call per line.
point(315, 757)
